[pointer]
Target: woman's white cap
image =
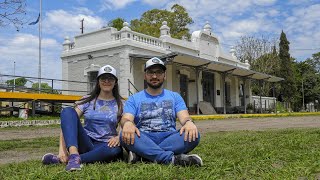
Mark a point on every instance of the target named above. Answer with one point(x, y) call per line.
point(107, 69)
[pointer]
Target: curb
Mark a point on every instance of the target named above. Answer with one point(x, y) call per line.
point(4, 124)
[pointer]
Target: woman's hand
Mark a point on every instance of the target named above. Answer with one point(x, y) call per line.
point(63, 156)
point(114, 141)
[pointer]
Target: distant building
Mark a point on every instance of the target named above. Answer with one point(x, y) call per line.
point(197, 69)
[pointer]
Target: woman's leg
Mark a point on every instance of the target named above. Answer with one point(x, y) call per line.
point(101, 153)
point(74, 134)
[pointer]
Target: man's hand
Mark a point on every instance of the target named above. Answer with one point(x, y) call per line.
point(114, 141)
point(190, 131)
point(128, 131)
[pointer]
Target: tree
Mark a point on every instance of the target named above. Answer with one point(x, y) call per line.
point(261, 52)
point(45, 88)
point(308, 82)
point(315, 61)
point(11, 11)
point(268, 64)
point(116, 23)
point(21, 81)
point(288, 87)
point(151, 21)
point(251, 48)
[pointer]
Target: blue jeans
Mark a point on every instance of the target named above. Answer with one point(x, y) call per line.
point(89, 149)
point(160, 147)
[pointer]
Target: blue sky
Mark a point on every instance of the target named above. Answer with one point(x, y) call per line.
point(230, 19)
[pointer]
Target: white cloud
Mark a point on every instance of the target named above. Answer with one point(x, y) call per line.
point(302, 29)
point(157, 3)
point(83, 10)
point(114, 4)
point(60, 23)
point(264, 2)
point(24, 49)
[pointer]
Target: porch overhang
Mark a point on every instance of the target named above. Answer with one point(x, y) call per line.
point(193, 61)
point(219, 67)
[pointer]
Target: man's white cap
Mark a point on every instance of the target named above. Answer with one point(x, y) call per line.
point(107, 69)
point(154, 61)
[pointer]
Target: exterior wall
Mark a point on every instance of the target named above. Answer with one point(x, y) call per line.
point(92, 50)
point(76, 68)
point(96, 37)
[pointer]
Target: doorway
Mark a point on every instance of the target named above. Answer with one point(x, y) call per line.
point(184, 87)
point(208, 87)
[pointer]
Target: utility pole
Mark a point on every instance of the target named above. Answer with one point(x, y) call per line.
point(14, 76)
point(40, 33)
point(302, 94)
point(82, 26)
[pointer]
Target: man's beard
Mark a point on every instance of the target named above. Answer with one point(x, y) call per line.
point(157, 86)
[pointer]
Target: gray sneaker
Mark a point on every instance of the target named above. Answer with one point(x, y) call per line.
point(133, 158)
point(187, 160)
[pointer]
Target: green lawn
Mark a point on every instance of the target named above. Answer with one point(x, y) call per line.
point(276, 154)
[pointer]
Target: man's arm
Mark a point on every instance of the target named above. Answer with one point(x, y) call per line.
point(188, 127)
point(128, 128)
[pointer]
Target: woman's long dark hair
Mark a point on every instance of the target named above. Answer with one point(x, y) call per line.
point(95, 93)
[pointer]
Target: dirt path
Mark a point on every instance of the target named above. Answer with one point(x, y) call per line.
point(205, 126)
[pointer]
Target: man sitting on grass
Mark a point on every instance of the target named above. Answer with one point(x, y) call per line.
point(149, 123)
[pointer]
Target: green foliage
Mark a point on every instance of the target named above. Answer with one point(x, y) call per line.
point(21, 81)
point(274, 154)
point(268, 64)
point(308, 81)
point(116, 23)
point(288, 87)
point(249, 106)
point(280, 108)
point(151, 21)
point(45, 88)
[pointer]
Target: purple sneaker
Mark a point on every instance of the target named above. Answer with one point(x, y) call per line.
point(50, 158)
point(74, 163)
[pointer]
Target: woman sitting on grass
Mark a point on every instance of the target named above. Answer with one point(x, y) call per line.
point(98, 140)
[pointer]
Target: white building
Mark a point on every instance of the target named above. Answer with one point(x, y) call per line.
point(197, 69)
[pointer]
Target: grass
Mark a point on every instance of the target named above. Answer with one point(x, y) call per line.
point(274, 154)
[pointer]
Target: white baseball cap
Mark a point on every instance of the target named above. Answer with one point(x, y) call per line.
point(107, 69)
point(154, 61)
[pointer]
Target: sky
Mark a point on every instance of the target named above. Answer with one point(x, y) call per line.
point(229, 19)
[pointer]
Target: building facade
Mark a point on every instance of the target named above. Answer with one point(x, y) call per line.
point(198, 69)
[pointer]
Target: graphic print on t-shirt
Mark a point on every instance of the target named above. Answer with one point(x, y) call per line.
point(156, 116)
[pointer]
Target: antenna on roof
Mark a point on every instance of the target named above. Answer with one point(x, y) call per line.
point(82, 26)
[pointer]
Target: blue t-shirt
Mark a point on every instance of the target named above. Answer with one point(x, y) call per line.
point(101, 123)
point(155, 113)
